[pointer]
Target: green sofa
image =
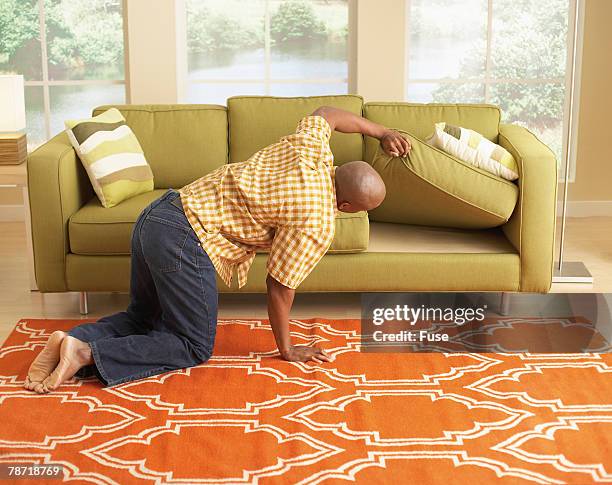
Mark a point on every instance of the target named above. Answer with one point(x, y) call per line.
point(81, 246)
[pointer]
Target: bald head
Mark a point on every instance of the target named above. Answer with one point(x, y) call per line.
point(358, 187)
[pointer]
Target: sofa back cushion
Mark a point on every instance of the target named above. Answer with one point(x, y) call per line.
point(180, 142)
point(420, 119)
point(258, 121)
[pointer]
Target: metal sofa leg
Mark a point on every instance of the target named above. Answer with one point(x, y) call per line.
point(83, 307)
point(504, 303)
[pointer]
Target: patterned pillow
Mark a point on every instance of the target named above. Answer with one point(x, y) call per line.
point(111, 155)
point(475, 149)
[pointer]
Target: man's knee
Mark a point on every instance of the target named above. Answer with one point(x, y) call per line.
point(192, 351)
point(201, 353)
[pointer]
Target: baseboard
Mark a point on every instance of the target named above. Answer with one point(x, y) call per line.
point(11, 213)
point(587, 208)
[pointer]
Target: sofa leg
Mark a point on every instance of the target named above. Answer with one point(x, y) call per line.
point(504, 303)
point(83, 307)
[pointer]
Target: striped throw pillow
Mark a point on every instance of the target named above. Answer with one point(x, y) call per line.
point(475, 149)
point(111, 155)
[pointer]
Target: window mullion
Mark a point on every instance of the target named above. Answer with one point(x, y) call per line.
point(267, 47)
point(488, 50)
point(45, 68)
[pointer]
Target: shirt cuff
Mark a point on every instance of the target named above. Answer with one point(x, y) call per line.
point(283, 280)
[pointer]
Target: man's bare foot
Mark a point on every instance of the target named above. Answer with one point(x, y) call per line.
point(46, 361)
point(74, 354)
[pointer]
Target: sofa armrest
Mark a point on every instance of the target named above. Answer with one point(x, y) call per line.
point(58, 186)
point(531, 229)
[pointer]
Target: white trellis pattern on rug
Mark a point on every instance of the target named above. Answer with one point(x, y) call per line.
point(247, 416)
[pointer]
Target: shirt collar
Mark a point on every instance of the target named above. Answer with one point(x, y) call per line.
point(333, 179)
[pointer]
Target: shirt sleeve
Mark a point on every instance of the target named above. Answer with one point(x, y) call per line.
point(294, 254)
point(311, 141)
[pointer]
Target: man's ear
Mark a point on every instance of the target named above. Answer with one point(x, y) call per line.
point(344, 206)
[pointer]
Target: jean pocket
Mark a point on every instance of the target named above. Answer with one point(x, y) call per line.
point(163, 243)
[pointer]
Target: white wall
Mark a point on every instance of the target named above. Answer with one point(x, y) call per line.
point(156, 51)
point(380, 49)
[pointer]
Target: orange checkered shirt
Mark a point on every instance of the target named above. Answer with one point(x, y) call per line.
point(282, 199)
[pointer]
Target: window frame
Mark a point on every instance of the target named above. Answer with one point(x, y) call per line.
point(46, 83)
point(487, 81)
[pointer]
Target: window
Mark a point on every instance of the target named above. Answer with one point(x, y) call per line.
point(268, 47)
point(512, 53)
point(71, 56)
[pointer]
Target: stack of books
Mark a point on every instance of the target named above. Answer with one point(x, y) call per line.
point(13, 149)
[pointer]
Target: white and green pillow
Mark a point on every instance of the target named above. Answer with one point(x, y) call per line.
point(111, 155)
point(475, 149)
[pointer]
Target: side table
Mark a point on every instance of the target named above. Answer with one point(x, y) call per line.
point(17, 176)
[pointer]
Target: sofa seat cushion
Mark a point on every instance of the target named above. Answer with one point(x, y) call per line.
point(432, 188)
point(352, 234)
point(95, 230)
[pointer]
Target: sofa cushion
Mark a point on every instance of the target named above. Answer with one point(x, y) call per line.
point(352, 233)
point(180, 142)
point(432, 188)
point(257, 121)
point(418, 119)
point(111, 156)
point(94, 229)
point(470, 146)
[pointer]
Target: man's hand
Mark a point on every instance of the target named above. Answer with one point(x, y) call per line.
point(392, 142)
point(395, 144)
point(298, 353)
point(280, 299)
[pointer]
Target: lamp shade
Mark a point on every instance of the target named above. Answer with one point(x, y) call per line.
point(12, 103)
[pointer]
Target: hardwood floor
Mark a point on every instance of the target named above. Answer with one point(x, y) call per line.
point(588, 240)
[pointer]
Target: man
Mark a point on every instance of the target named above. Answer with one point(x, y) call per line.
point(283, 199)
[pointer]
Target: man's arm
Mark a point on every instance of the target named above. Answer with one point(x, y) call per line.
point(346, 122)
point(280, 299)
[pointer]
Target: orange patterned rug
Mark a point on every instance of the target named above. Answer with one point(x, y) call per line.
point(249, 417)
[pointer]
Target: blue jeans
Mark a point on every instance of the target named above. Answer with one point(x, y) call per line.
point(171, 320)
